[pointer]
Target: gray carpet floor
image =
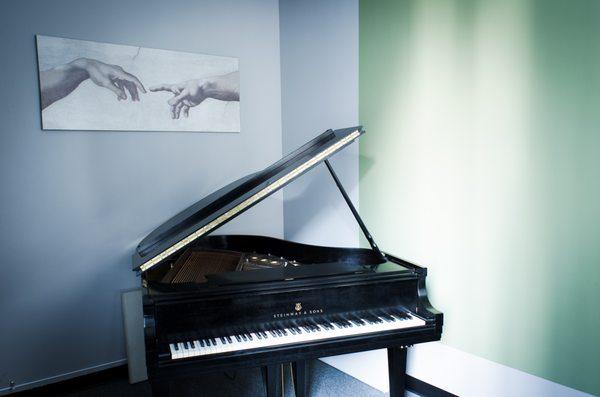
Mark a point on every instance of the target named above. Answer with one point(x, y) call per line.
point(325, 381)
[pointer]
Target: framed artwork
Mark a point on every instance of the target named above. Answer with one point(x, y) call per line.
point(87, 85)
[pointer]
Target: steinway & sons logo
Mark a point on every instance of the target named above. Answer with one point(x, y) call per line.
point(298, 311)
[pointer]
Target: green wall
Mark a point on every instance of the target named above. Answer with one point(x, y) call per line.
point(482, 162)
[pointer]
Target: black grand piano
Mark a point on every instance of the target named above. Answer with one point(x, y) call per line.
point(226, 302)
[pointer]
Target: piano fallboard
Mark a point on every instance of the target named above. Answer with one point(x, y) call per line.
point(206, 314)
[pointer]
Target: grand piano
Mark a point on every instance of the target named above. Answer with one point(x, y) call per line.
point(227, 302)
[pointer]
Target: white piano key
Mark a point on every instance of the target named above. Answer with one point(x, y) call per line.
point(182, 352)
point(174, 353)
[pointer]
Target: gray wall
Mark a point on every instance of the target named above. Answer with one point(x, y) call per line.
point(73, 205)
point(319, 90)
point(319, 80)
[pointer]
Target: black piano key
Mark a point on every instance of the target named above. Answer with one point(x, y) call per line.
point(323, 322)
point(192, 345)
point(292, 331)
point(368, 318)
point(399, 313)
point(185, 345)
point(223, 340)
point(244, 337)
point(329, 326)
point(237, 337)
point(314, 325)
point(176, 346)
point(382, 315)
point(250, 337)
point(214, 341)
point(202, 343)
point(374, 320)
point(319, 320)
point(385, 318)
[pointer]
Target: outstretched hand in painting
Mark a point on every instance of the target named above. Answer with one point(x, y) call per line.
point(58, 82)
point(193, 92)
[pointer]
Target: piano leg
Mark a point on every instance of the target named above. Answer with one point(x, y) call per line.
point(397, 370)
point(299, 373)
point(160, 388)
point(273, 378)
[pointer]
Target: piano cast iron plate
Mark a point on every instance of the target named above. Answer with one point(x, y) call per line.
point(195, 264)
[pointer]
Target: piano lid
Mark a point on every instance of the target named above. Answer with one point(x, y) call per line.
point(228, 202)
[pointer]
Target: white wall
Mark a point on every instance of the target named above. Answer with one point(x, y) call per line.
point(73, 205)
point(319, 78)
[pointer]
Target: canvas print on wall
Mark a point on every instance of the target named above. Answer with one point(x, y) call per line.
point(87, 85)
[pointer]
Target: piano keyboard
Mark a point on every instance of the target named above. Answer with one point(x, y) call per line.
point(296, 332)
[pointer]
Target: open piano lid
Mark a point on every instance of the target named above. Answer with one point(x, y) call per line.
point(228, 202)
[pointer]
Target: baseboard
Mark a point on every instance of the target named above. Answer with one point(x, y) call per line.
point(421, 388)
point(61, 377)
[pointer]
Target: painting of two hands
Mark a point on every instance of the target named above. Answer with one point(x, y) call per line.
point(87, 85)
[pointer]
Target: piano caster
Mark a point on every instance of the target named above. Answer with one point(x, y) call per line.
point(299, 376)
point(397, 370)
point(273, 378)
point(160, 388)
